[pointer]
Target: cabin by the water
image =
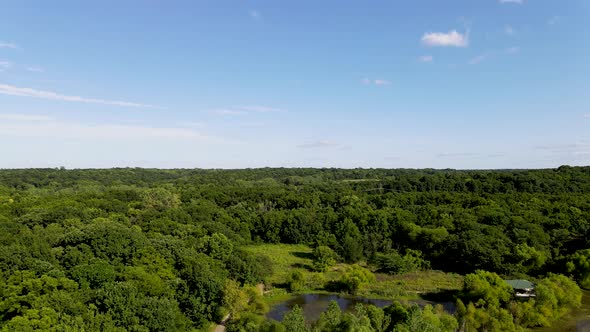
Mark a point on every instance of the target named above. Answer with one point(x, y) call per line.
point(523, 289)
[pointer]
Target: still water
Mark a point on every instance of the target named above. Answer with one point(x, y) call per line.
point(577, 321)
point(314, 304)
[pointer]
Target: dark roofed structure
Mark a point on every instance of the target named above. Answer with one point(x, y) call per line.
point(522, 288)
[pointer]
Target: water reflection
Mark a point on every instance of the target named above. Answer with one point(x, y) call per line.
point(314, 304)
point(577, 321)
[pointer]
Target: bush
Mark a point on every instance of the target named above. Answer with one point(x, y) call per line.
point(355, 277)
point(323, 258)
point(486, 288)
point(394, 263)
point(296, 281)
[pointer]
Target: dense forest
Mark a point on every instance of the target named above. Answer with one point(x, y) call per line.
point(168, 250)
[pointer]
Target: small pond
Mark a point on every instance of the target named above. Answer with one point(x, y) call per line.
point(314, 304)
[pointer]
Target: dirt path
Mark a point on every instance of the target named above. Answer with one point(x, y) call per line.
point(221, 326)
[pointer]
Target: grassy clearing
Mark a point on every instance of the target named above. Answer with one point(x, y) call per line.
point(414, 285)
point(287, 258)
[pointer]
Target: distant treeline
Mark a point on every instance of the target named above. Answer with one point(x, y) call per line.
point(561, 180)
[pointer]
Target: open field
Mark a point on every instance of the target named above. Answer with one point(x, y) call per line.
point(287, 258)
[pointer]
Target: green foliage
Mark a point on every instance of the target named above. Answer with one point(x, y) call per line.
point(271, 326)
point(355, 277)
point(429, 319)
point(234, 298)
point(159, 199)
point(294, 321)
point(486, 289)
point(396, 317)
point(247, 322)
point(93, 275)
point(330, 319)
point(218, 246)
point(529, 258)
point(579, 265)
point(146, 249)
point(556, 295)
point(490, 318)
point(323, 258)
point(296, 281)
point(248, 268)
point(394, 263)
point(135, 311)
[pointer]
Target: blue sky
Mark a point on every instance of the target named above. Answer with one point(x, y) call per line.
point(234, 84)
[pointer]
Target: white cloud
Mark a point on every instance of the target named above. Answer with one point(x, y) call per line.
point(426, 58)
point(382, 82)
point(378, 82)
point(28, 92)
point(520, 2)
point(587, 115)
point(318, 144)
point(254, 14)
point(452, 38)
point(35, 69)
point(24, 117)
point(509, 30)
point(71, 130)
point(8, 45)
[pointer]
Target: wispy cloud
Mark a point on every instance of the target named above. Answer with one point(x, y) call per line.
point(8, 45)
point(577, 148)
point(378, 82)
point(262, 109)
point(193, 124)
point(509, 30)
point(554, 20)
point(512, 50)
point(35, 69)
point(226, 111)
point(11, 90)
point(254, 14)
point(24, 117)
point(491, 54)
point(318, 144)
point(243, 110)
point(478, 59)
point(457, 154)
point(587, 115)
point(520, 2)
point(39, 126)
point(426, 58)
point(382, 82)
point(5, 65)
point(451, 38)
